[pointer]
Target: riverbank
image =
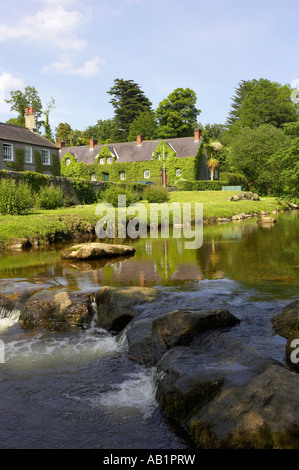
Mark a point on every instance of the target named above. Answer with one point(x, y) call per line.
point(42, 227)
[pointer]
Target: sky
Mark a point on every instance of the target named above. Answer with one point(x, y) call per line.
point(73, 50)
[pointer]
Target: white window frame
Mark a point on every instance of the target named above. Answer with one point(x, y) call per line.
point(122, 175)
point(46, 153)
point(93, 177)
point(146, 174)
point(11, 159)
point(102, 161)
point(67, 162)
point(28, 154)
point(178, 172)
point(109, 160)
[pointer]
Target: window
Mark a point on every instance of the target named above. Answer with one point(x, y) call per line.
point(28, 154)
point(178, 172)
point(67, 162)
point(122, 175)
point(8, 152)
point(102, 161)
point(146, 174)
point(93, 177)
point(46, 157)
point(109, 159)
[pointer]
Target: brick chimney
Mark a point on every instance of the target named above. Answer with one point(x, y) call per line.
point(30, 119)
point(139, 140)
point(60, 144)
point(197, 135)
point(92, 143)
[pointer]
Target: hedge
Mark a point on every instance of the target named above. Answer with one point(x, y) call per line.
point(199, 185)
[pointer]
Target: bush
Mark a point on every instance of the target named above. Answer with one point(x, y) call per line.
point(85, 191)
point(50, 197)
point(156, 194)
point(15, 199)
point(199, 185)
point(111, 195)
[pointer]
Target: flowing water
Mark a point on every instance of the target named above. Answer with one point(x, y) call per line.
point(80, 389)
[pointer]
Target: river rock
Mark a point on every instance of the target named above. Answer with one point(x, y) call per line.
point(91, 251)
point(266, 221)
point(116, 306)
point(54, 310)
point(292, 352)
point(142, 343)
point(228, 395)
point(179, 326)
point(287, 321)
point(239, 216)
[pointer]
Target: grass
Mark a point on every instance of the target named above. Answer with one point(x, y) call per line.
point(46, 226)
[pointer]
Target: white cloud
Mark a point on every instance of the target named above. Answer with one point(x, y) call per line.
point(66, 66)
point(52, 23)
point(8, 83)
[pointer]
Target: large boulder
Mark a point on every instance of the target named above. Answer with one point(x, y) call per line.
point(142, 344)
point(179, 326)
point(116, 306)
point(228, 395)
point(91, 251)
point(60, 310)
point(149, 339)
point(264, 414)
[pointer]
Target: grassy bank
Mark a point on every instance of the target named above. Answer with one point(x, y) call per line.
point(46, 226)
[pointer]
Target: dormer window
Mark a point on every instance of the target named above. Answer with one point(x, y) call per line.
point(67, 162)
point(109, 159)
point(102, 161)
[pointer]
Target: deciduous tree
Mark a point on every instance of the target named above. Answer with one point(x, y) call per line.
point(177, 114)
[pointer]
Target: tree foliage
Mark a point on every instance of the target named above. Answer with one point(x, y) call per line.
point(259, 102)
point(19, 101)
point(145, 124)
point(251, 152)
point(128, 101)
point(177, 114)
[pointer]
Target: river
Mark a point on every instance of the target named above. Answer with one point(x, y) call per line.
point(80, 390)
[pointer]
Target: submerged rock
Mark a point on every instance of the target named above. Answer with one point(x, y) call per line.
point(116, 306)
point(91, 251)
point(57, 310)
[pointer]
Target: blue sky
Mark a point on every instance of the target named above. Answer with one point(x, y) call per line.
point(73, 50)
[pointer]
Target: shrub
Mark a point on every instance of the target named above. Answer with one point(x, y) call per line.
point(111, 195)
point(50, 197)
point(15, 199)
point(85, 191)
point(156, 194)
point(199, 185)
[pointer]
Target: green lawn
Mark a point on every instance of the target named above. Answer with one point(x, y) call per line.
point(51, 225)
point(216, 204)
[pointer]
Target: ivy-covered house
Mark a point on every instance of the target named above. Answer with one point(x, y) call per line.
point(143, 160)
point(23, 149)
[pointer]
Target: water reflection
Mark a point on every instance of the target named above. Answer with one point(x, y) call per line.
point(246, 252)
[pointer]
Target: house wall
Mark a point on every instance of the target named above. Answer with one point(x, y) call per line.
point(18, 164)
point(134, 171)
